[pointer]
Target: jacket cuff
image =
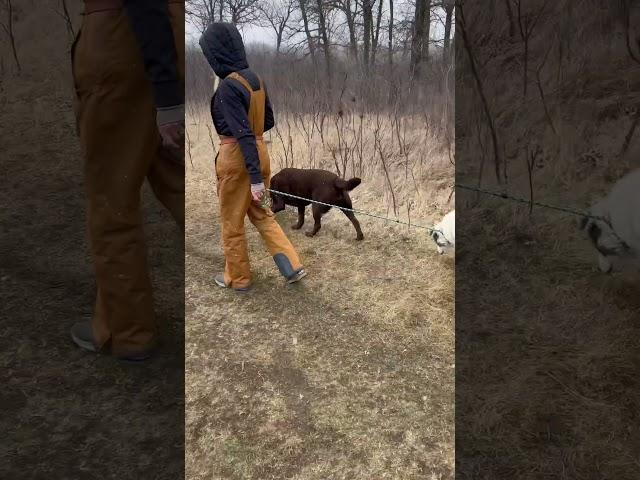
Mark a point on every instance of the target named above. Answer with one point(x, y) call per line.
point(167, 94)
point(256, 178)
point(166, 115)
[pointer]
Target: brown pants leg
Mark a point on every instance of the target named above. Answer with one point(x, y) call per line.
point(119, 137)
point(234, 192)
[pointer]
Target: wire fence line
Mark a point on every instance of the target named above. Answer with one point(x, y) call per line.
point(505, 196)
point(359, 212)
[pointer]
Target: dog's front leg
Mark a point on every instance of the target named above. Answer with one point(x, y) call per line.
point(300, 223)
point(318, 210)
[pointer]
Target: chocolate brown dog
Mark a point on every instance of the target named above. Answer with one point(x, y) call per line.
point(318, 185)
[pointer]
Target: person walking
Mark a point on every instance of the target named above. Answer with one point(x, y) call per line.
point(128, 71)
point(241, 113)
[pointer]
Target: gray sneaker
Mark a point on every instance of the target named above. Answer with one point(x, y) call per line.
point(82, 335)
point(219, 280)
point(297, 276)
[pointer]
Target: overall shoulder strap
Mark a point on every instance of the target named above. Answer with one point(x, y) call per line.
point(236, 76)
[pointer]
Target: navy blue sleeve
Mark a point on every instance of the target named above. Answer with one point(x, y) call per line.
point(152, 27)
point(233, 104)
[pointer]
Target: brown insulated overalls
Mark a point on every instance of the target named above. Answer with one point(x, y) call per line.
point(121, 145)
point(234, 192)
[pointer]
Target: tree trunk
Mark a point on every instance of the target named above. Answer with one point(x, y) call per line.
point(353, 42)
point(376, 38)
point(420, 40)
point(325, 41)
point(279, 39)
point(449, 7)
point(367, 18)
point(221, 11)
point(307, 31)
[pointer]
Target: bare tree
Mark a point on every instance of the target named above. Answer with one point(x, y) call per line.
point(376, 34)
point(420, 40)
point(349, 9)
point(462, 28)
point(304, 12)
point(200, 13)
point(243, 12)
point(277, 16)
point(326, 46)
point(367, 19)
point(527, 22)
point(449, 6)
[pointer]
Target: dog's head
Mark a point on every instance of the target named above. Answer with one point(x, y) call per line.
point(604, 239)
point(442, 244)
point(277, 202)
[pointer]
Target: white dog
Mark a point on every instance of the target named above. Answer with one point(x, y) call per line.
point(616, 233)
point(444, 233)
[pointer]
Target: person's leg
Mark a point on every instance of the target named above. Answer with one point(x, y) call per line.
point(234, 195)
point(166, 176)
point(279, 246)
point(118, 136)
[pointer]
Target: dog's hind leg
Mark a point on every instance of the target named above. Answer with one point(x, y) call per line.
point(356, 224)
point(300, 223)
point(318, 211)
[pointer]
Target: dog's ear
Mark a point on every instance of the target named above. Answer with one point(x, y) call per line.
point(353, 183)
point(340, 184)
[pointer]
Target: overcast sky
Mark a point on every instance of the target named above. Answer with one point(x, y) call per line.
point(250, 34)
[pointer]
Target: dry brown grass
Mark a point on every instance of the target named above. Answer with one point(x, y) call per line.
point(348, 375)
point(547, 364)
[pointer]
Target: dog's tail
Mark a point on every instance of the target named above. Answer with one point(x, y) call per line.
point(347, 185)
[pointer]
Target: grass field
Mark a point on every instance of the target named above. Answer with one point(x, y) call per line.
point(347, 375)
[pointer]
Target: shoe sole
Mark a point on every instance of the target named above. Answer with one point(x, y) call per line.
point(224, 285)
point(84, 344)
point(298, 276)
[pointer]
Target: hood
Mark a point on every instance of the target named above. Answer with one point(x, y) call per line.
point(222, 45)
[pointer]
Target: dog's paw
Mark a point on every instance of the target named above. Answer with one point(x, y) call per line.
point(309, 234)
point(359, 237)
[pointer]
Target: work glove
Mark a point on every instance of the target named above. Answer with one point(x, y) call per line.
point(170, 122)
